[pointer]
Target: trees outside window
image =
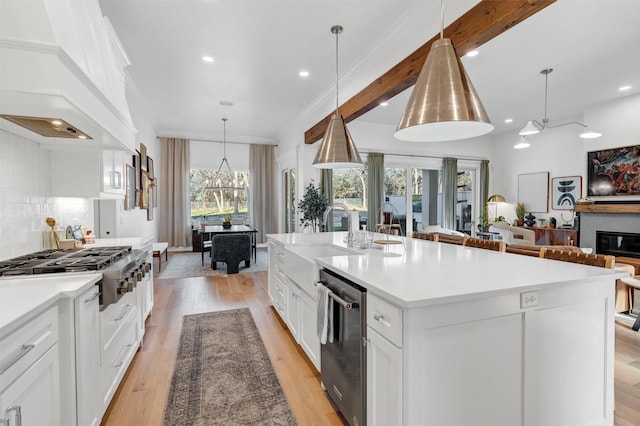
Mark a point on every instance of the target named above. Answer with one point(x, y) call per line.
point(211, 194)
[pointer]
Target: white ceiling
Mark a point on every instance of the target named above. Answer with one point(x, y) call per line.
point(260, 45)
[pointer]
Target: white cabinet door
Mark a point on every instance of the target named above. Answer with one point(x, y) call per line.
point(34, 396)
point(293, 310)
point(384, 381)
point(91, 174)
point(308, 337)
point(113, 172)
point(87, 356)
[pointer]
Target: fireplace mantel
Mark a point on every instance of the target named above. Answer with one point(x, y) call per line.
point(607, 208)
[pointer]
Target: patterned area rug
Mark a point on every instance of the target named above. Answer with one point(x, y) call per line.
point(223, 375)
point(189, 264)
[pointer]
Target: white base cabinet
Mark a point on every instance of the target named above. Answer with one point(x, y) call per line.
point(490, 362)
point(296, 306)
point(30, 373)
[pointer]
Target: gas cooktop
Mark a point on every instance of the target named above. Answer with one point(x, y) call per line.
point(53, 261)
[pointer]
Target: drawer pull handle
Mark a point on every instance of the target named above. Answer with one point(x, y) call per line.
point(125, 351)
point(92, 298)
point(378, 317)
point(15, 357)
point(124, 313)
point(18, 411)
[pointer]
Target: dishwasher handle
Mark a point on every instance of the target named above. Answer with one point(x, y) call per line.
point(341, 301)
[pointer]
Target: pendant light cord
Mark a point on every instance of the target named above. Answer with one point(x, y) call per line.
point(441, 19)
point(224, 138)
point(337, 32)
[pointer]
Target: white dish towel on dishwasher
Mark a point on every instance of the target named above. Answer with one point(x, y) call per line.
point(325, 314)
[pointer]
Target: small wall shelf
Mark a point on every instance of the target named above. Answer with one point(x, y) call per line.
point(607, 208)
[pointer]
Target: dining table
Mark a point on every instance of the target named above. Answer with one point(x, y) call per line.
point(210, 230)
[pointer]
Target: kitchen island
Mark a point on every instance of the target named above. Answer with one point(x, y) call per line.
point(459, 336)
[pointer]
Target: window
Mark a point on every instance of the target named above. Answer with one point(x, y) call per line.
point(289, 187)
point(426, 198)
point(211, 195)
point(350, 189)
point(464, 211)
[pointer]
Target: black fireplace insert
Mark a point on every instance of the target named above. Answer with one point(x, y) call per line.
point(618, 243)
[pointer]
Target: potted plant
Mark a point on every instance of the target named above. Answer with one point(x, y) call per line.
point(483, 220)
point(226, 224)
point(520, 210)
point(312, 206)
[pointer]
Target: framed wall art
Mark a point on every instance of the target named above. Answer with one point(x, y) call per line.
point(533, 191)
point(130, 194)
point(614, 172)
point(143, 156)
point(565, 190)
point(150, 168)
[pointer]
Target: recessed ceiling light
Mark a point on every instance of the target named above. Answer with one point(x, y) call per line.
point(303, 73)
point(472, 53)
point(384, 103)
point(623, 88)
point(508, 120)
point(207, 58)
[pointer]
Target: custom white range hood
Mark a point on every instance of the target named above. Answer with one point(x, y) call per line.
point(61, 59)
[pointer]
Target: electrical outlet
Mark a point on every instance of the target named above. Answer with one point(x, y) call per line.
point(528, 299)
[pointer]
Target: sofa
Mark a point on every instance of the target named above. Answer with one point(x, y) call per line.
point(514, 234)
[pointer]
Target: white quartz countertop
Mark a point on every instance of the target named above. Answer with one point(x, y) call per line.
point(22, 298)
point(134, 242)
point(420, 272)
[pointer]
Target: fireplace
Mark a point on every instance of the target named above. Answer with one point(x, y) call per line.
point(619, 244)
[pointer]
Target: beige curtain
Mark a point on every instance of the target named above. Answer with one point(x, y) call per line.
point(375, 188)
point(174, 209)
point(449, 192)
point(262, 197)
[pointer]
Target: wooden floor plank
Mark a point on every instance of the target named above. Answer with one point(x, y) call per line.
point(141, 398)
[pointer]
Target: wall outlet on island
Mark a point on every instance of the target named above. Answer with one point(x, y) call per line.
point(528, 299)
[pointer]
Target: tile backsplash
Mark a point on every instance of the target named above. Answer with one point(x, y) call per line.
point(25, 197)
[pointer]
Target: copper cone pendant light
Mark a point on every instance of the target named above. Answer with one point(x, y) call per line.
point(337, 149)
point(443, 106)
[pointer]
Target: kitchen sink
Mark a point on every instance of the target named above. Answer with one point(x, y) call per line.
point(300, 265)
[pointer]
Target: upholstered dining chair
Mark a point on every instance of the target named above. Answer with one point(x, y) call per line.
point(601, 260)
point(231, 249)
point(425, 236)
point(205, 247)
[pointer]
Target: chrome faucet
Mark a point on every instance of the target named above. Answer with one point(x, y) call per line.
point(346, 209)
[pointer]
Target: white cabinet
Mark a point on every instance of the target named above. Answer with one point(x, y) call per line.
point(293, 310)
point(87, 356)
point(308, 334)
point(294, 304)
point(384, 381)
point(30, 373)
point(88, 174)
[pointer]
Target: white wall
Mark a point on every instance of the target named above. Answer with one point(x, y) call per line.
point(25, 200)
point(560, 151)
point(208, 155)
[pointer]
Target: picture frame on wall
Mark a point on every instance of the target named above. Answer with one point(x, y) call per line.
point(533, 191)
point(143, 156)
point(151, 201)
point(150, 168)
point(144, 193)
point(565, 190)
point(614, 172)
point(137, 161)
point(130, 192)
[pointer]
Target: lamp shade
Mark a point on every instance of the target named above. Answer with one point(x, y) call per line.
point(337, 149)
point(496, 198)
point(529, 129)
point(444, 105)
point(522, 143)
point(590, 133)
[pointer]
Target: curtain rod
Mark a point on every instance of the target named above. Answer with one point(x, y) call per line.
point(364, 151)
point(211, 140)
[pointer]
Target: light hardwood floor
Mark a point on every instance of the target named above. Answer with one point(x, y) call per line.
point(141, 397)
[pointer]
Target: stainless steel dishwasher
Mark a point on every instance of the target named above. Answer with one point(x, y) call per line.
point(344, 361)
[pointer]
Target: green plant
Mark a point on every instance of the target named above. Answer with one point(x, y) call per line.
point(312, 206)
point(500, 219)
point(520, 210)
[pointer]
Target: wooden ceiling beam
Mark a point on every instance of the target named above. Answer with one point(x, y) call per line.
point(486, 20)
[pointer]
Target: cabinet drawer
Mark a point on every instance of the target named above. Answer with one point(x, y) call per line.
point(113, 319)
point(385, 318)
point(280, 297)
point(116, 360)
point(24, 346)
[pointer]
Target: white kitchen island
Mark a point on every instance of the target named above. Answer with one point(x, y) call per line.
point(465, 336)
